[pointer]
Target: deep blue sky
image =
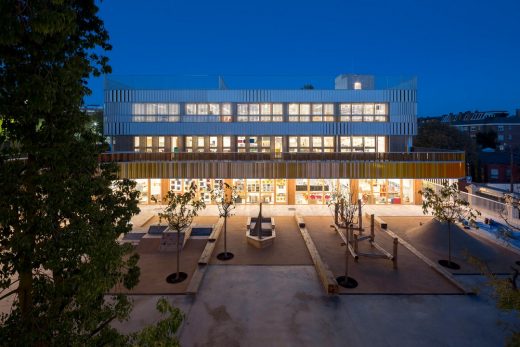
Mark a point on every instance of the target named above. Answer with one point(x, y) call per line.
point(465, 53)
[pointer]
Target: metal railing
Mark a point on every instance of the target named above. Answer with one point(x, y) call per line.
point(269, 156)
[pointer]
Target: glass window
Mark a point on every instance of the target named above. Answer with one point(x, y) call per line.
point(381, 141)
point(328, 109)
point(357, 118)
point(368, 109)
point(357, 141)
point(254, 109)
point(200, 141)
point(214, 109)
point(226, 141)
point(357, 109)
point(242, 109)
point(189, 141)
point(174, 146)
point(202, 109)
point(173, 109)
point(213, 141)
point(305, 109)
point(293, 109)
point(162, 108)
point(380, 109)
point(304, 141)
point(151, 109)
point(345, 109)
point(328, 141)
point(161, 141)
point(265, 109)
point(241, 141)
point(317, 109)
point(316, 141)
point(370, 141)
point(293, 141)
point(191, 109)
point(266, 141)
point(136, 141)
point(226, 109)
point(305, 119)
point(149, 141)
point(278, 109)
point(345, 141)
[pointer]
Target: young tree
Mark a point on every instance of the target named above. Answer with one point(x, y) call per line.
point(60, 216)
point(225, 196)
point(447, 206)
point(179, 213)
point(345, 213)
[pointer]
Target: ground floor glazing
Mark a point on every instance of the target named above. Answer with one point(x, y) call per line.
point(290, 191)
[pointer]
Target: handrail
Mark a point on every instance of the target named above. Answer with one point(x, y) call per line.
point(270, 156)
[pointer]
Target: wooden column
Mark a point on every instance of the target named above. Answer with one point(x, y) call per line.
point(165, 187)
point(417, 186)
point(354, 189)
point(291, 191)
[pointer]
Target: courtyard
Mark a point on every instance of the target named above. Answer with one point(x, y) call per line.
point(273, 296)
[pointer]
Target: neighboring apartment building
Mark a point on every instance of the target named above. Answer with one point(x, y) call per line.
point(278, 146)
point(506, 127)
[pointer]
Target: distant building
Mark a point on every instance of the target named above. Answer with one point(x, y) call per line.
point(495, 167)
point(506, 127)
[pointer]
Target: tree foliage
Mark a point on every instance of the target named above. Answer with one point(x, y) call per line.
point(487, 138)
point(179, 213)
point(60, 212)
point(225, 196)
point(443, 136)
point(345, 206)
point(447, 205)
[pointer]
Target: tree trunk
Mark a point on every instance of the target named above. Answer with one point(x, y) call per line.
point(225, 235)
point(25, 294)
point(449, 243)
point(347, 233)
point(178, 253)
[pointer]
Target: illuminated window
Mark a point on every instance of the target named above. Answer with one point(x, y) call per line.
point(380, 109)
point(357, 85)
point(136, 141)
point(242, 109)
point(304, 141)
point(214, 109)
point(200, 141)
point(328, 109)
point(189, 141)
point(278, 109)
point(293, 141)
point(226, 109)
point(173, 109)
point(202, 109)
point(317, 109)
point(357, 109)
point(345, 109)
point(265, 109)
point(293, 109)
point(191, 109)
point(254, 109)
point(305, 109)
point(328, 141)
point(161, 141)
point(316, 141)
point(368, 109)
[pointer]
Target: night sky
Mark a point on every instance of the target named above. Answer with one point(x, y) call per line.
point(465, 53)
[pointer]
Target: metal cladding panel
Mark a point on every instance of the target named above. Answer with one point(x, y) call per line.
point(292, 169)
point(239, 128)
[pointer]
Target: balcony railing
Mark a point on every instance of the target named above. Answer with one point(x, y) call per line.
point(270, 156)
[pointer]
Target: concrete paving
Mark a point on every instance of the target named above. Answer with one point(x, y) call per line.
point(284, 306)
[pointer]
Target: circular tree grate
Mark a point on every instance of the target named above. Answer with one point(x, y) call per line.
point(173, 278)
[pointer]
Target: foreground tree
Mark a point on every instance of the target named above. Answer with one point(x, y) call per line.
point(179, 213)
point(225, 196)
point(60, 212)
point(447, 206)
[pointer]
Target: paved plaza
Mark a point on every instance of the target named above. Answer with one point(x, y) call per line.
point(273, 296)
